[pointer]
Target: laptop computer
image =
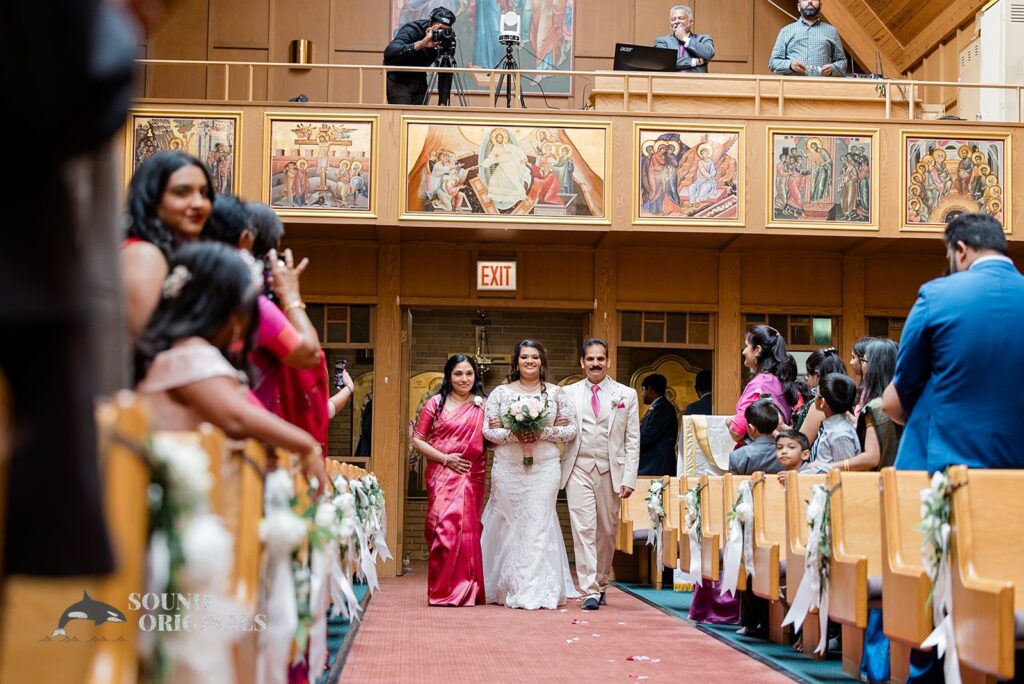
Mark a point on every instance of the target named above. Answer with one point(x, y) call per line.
point(643, 58)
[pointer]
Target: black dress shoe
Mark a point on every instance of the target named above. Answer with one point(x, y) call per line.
point(590, 603)
point(601, 601)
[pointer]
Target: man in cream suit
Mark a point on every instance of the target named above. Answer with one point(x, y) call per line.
point(599, 467)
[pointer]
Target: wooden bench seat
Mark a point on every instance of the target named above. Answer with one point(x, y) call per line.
point(633, 518)
point(798, 492)
point(730, 491)
point(769, 496)
point(856, 557)
point(906, 610)
point(712, 525)
point(987, 566)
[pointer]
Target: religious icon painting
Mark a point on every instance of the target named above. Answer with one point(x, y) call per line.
point(688, 174)
point(505, 170)
point(210, 136)
point(322, 165)
point(823, 178)
point(944, 177)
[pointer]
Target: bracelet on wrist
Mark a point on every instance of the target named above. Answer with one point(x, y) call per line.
point(297, 304)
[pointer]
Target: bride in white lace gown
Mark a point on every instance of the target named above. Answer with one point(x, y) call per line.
point(525, 564)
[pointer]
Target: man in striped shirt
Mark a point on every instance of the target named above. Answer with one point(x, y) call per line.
point(808, 46)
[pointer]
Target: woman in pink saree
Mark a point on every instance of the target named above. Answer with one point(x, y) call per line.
point(449, 434)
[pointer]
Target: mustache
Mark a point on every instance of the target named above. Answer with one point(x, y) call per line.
point(595, 368)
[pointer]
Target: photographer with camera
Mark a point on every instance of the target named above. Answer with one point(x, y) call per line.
point(346, 388)
point(420, 43)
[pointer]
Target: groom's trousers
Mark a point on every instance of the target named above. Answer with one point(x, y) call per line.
point(594, 514)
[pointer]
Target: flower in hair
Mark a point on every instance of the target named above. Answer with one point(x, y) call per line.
point(175, 281)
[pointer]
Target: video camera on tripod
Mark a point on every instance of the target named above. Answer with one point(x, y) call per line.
point(444, 38)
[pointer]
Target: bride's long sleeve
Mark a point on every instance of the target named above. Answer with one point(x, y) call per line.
point(562, 433)
point(498, 435)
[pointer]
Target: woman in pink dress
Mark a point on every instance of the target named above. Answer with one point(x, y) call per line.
point(449, 434)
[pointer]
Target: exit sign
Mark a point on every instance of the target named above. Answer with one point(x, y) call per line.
point(496, 276)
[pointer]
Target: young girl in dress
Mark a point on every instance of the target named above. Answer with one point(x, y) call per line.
point(207, 313)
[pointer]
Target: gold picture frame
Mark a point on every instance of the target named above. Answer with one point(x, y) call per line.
point(195, 131)
point(728, 144)
point(461, 193)
point(320, 134)
point(949, 193)
point(842, 140)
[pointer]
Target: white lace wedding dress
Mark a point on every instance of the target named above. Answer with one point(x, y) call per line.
point(525, 564)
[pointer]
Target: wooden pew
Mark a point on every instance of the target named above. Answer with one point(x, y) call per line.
point(633, 517)
point(985, 563)
point(712, 525)
point(856, 556)
point(670, 533)
point(906, 610)
point(769, 537)
point(731, 490)
point(685, 483)
point(798, 492)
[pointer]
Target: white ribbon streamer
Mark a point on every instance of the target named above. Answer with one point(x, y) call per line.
point(692, 522)
point(813, 591)
point(656, 515)
point(739, 547)
point(935, 555)
point(318, 597)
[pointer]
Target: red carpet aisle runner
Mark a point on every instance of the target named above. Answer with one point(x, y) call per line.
point(403, 640)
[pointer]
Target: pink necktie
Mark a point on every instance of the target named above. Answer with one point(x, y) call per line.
point(595, 403)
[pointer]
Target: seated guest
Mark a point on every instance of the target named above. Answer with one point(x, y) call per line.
point(762, 421)
point(701, 407)
point(208, 308)
point(879, 436)
point(658, 430)
point(694, 50)
point(837, 439)
point(808, 46)
point(792, 451)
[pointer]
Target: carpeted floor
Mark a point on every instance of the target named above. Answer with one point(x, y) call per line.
point(401, 639)
point(781, 657)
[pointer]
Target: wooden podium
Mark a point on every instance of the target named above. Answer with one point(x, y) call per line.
point(754, 95)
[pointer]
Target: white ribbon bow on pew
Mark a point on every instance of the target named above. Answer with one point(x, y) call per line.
point(935, 555)
point(813, 589)
point(692, 523)
point(282, 532)
point(656, 516)
point(740, 544)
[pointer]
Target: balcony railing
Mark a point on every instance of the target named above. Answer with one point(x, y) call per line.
point(633, 91)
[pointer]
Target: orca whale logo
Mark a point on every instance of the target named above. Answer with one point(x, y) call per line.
point(87, 609)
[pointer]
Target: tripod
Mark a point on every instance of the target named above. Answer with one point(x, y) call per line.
point(508, 66)
point(444, 82)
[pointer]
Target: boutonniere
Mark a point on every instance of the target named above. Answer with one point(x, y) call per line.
point(617, 402)
point(478, 400)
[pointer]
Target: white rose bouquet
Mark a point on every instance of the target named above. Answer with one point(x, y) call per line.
point(526, 416)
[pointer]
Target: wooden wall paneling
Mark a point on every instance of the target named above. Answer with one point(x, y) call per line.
point(360, 26)
point(557, 275)
point(388, 460)
point(582, 86)
point(651, 20)
point(182, 34)
point(390, 170)
point(337, 268)
point(437, 271)
point(787, 279)
point(768, 21)
point(250, 173)
point(891, 281)
point(291, 20)
point(605, 319)
point(730, 334)
point(853, 325)
point(730, 24)
point(1016, 163)
point(344, 84)
point(600, 24)
point(856, 39)
point(931, 94)
point(959, 13)
point(239, 23)
point(238, 76)
point(889, 158)
point(667, 275)
point(758, 177)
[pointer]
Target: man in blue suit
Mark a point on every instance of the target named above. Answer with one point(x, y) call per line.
point(959, 403)
point(693, 50)
point(658, 430)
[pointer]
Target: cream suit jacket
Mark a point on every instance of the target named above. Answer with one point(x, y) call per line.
point(623, 432)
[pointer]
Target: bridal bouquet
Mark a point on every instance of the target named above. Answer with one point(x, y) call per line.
point(526, 416)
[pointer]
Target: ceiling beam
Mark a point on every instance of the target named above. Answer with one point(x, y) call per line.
point(941, 27)
point(855, 37)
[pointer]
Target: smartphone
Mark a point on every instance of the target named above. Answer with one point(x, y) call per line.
point(339, 370)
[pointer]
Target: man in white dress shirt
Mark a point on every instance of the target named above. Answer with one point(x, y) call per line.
point(599, 467)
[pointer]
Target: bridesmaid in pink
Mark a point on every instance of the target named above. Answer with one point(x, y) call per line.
point(449, 434)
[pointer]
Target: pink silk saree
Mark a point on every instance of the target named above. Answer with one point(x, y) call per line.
point(455, 572)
